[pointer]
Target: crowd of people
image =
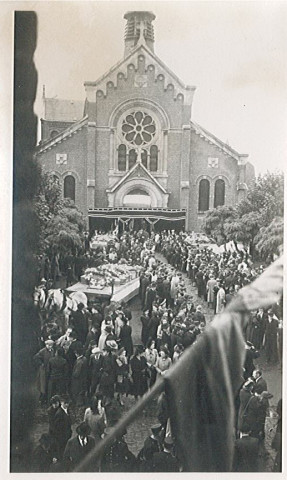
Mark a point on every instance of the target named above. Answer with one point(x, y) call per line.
point(94, 363)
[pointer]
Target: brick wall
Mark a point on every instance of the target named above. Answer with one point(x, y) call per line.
point(227, 169)
point(48, 126)
point(76, 149)
point(89, 151)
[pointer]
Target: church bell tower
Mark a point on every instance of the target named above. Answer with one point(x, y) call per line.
point(139, 30)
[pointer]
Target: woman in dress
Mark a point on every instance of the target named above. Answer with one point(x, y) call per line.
point(139, 372)
point(220, 299)
point(151, 356)
point(163, 362)
point(94, 417)
point(122, 372)
point(145, 321)
point(125, 337)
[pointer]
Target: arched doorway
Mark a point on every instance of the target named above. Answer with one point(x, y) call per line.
point(138, 198)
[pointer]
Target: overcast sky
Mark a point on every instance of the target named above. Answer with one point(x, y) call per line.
point(233, 52)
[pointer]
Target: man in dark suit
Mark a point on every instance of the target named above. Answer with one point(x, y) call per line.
point(80, 323)
point(62, 425)
point(251, 354)
point(260, 384)
point(150, 297)
point(79, 380)
point(152, 445)
point(164, 461)
point(271, 332)
point(246, 450)
point(70, 354)
point(109, 365)
point(144, 283)
point(58, 370)
point(166, 290)
point(78, 447)
point(117, 457)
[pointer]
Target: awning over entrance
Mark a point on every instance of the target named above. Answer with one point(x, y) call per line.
point(127, 212)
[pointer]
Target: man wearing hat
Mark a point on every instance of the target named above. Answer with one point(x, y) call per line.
point(210, 290)
point(165, 461)
point(79, 380)
point(118, 457)
point(152, 445)
point(42, 360)
point(95, 368)
point(245, 395)
point(58, 370)
point(78, 447)
point(62, 424)
point(108, 374)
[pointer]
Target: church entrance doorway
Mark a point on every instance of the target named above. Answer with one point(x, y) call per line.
point(137, 198)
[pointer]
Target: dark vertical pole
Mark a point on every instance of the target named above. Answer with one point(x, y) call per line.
point(25, 234)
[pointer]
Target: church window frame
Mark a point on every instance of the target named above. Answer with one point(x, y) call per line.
point(122, 158)
point(139, 129)
point(203, 195)
point(69, 187)
point(219, 193)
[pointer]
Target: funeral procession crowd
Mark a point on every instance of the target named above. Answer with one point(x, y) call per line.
point(88, 360)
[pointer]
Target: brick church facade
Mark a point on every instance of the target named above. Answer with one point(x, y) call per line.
point(131, 152)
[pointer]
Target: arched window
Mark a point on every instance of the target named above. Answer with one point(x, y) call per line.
point(203, 195)
point(122, 158)
point(132, 158)
point(153, 164)
point(69, 187)
point(144, 158)
point(219, 193)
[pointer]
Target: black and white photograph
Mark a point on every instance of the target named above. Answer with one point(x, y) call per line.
point(143, 267)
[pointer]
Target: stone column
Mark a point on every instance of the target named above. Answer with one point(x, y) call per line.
point(185, 170)
point(91, 148)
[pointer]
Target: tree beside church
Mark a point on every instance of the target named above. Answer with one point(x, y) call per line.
point(132, 150)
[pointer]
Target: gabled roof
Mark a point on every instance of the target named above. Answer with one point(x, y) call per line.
point(160, 68)
point(138, 170)
point(59, 110)
point(212, 139)
point(68, 132)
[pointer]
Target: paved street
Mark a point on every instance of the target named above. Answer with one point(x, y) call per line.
point(140, 429)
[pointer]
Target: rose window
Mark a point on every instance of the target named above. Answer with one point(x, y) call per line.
point(138, 128)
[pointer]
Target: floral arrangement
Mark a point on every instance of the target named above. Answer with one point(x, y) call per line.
point(102, 239)
point(109, 274)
